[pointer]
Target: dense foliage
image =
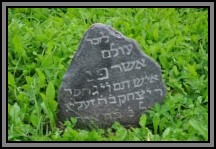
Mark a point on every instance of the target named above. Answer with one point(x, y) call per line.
point(42, 42)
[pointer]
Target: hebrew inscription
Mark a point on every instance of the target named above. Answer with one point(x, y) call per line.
point(109, 79)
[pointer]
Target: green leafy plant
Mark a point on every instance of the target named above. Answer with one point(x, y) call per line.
point(42, 42)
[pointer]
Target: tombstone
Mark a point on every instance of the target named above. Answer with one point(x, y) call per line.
point(109, 79)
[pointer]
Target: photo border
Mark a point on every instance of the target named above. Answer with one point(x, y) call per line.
point(209, 143)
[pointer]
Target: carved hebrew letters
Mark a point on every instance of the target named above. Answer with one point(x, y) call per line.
point(89, 76)
point(140, 64)
point(117, 86)
point(159, 90)
point(102, 74)
point(109, 79)
point(98, 40)
point(112, 99)
point(109, 86)
point(141, 105)
point(116, 114)
point(130, 96)
point(81, 105)
point(107, 116)
point(95, 91)
point(138, 82)
point(84, 118)
point(130, 111)
point(112, 115)
point(77, 92)
point(140, 94)
point(101, 99)
point(106, 53)
point(149, 91)
point(153, 78)
point(122, 99)
point(129, 66)
point(121, 85)
point(68, 106)
point(114, 51)
point(117, 66)
point(68, 90)
point(86, 91)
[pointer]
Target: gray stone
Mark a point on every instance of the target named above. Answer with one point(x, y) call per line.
point(109, 79)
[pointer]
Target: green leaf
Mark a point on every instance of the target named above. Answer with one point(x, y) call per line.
point(142, 121)
point(43, 97)
point(47, 61)
point(200, 128)
point(164, 61)
point(42, 78)
point(121, 134)
point(49, 105)
point(34, 119)
point(50, 95)
point(49, 113)
point(192, 70)
point(50, 46)
point(29, 80)
point(40, 47)
point(155, 34)
point(175, 70)
point(195, 38)
point(11, 80)
point(156, 120)
point(94, 136)
point(15, 113)
point(162, 124)
point(43, 105)
point(18, 46)
point(166, 133)
point(157, 107)
point(50, 91)
point(73, 121)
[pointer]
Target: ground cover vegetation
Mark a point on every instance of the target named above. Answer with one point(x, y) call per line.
point(42, 42)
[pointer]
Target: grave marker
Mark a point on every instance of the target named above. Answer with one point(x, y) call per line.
point(109, 79)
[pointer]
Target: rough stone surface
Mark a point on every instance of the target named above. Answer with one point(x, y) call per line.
point(109, 79)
